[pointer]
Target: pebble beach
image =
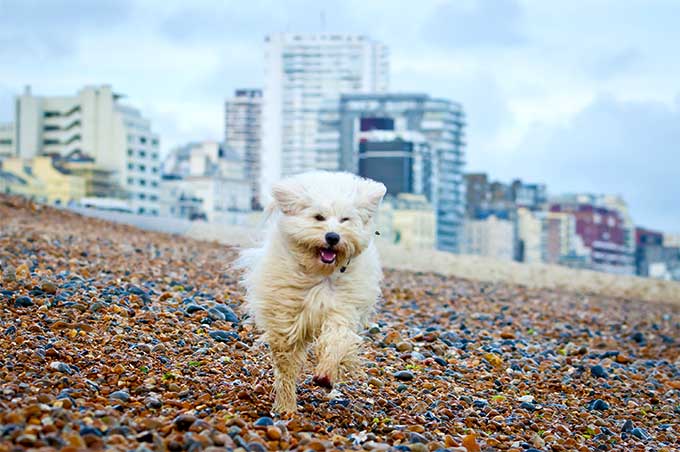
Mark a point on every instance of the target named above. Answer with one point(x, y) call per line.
point(116, 338)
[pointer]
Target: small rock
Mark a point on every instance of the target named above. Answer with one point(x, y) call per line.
point(599, 405)
point(123, 396)
point(375, 382)
point(638, 337)
point(22, 272)
point(264, 422)
point(528, 406)
point(640, 433)
point(417, 438)
point(229, 314)
point(598, 371)
point(224, 336)
point(61, 367)
point(184, 421)
point(404, 347)
point(404, 375)
point(49, 287)
point(216, 314)
point(153, 403)
point(526, 398)
point(192, 307)
point(273, 433)
point(9, 274)
point(627, 427)
point(23, 302)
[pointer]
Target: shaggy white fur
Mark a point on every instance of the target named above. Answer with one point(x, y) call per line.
point(316, 279)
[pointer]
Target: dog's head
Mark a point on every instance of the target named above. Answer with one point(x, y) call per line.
point(327, 217)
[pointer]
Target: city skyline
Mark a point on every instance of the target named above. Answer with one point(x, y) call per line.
point(597, 111)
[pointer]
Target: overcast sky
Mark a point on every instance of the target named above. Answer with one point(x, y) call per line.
point(581, 95)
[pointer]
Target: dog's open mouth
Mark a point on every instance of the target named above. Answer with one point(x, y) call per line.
point(327, 255)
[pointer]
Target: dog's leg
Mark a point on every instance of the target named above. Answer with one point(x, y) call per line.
point(287, 364)
point(337, 347)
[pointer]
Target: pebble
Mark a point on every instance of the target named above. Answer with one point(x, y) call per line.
point(61, 367)
point(264, 422)
point(598, 404)
point(404, 347)
point(224, 336)
point(229, 314)
point(48, 287)
point(184, 421)
point(376, 382)
point(404, 375)
point(192, 308)
point(273, 433)
point(123, 396)
point(598, 371)
point(640, 433)
point(153, 403)
point(23, 302)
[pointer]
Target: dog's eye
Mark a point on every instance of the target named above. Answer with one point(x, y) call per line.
point(344, 219)
point(320, 218)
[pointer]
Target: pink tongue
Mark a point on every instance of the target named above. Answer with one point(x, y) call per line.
point(327, 255)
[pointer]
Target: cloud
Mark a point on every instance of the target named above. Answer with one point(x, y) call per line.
point(456, 24)
point(612, 146)
point(31, 30)
point(606, 66)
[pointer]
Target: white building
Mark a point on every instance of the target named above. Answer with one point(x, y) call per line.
point(408, 220)
point(6, 140)
point(491, 237)
point(302, 71)
point(243, 135)
point(95, 123)
point(530, 235)
point(203, 180)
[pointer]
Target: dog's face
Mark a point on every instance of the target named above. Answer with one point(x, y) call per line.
point(327, 218)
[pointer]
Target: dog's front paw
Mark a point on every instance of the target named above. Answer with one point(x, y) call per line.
point(323, 380)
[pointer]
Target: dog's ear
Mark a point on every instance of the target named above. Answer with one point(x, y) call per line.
point(289, 197)
point(369, 195)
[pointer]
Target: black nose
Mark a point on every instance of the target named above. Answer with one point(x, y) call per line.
point(332, 238)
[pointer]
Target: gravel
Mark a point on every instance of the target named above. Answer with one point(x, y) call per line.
point(107, 356)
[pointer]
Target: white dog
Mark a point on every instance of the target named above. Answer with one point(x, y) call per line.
point(316, 279)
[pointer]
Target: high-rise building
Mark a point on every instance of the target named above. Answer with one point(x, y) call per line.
point(6, 140)
point(410, 141)
point(243, 135)
point(302, 72)
point(93, 123)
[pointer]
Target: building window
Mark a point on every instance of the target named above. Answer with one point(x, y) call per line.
point(129, 152)
point(153, 198)
point(154, 141)
point(130, 166)
point(142, 182)
point(154, 156)
point(142, 167)
point(154, 169)
point(142, 154)
point(141, 210)
point(142, 140)
point(154, 183)
point(130, 181)
point(142, 196)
